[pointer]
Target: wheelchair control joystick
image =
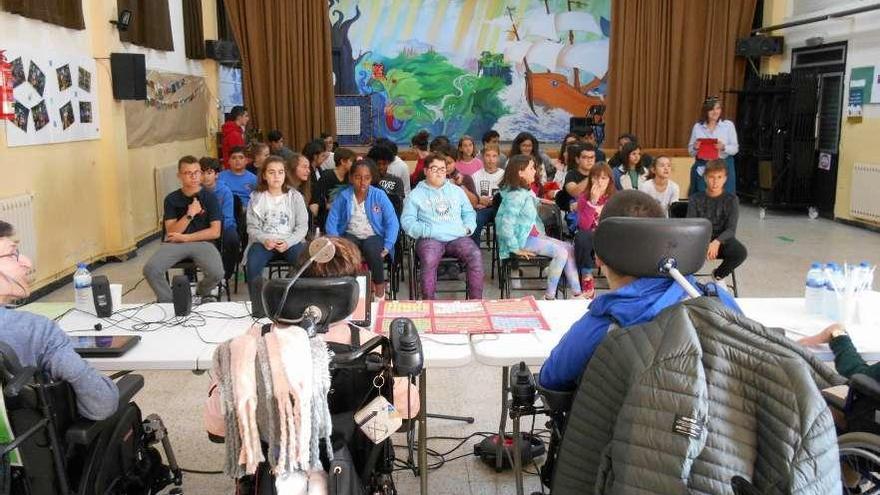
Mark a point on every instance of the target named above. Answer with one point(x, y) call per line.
point(406, 348)
point(522, 389)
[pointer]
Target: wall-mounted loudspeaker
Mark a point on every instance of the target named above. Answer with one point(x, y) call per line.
point(129, 73)
point(759, 46)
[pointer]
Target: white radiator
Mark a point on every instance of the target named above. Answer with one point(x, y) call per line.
point(166, 183)
point(864, 202)
point(19, 211)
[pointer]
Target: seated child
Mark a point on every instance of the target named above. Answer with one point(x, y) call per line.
point(588, 208)
point(660, 186)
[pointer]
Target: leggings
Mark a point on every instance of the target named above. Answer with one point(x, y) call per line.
point(563, 260)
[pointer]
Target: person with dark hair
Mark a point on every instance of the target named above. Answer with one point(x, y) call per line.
point(39, 342)
point(192, 222)
point(526, 143)
point(393, 186)
point(660, 186)
point(492, 137)
point(722, 135)
point(333, 182)
point(468, 162)
point(315, 153)
point(419, 143)
point(256, 154)
point(633, 169)
point(722, 209)
point(581, 159)
point(325, 159)
point(230, 240)
point(631, 301)
point(277, 224)
point(439, 143)
point(520, 230)
point(233, 132)
point(589, 136)
point(439, 216)
point(590, 202)
point(364, 215)
point(396, 167)
point(276, 145)
point(623, 140)
point(237, 178)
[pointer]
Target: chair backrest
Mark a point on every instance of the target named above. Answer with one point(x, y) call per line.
point(335, 298)
point(638, 246)
point(678, 209)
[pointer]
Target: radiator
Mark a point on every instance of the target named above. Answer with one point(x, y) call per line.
point(19, 211)
point(864, 201)
point(166, 183)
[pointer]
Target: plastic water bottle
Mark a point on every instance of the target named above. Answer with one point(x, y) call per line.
point(829, 302)
point(82, 287)
point(814, 291)
point(866, 276)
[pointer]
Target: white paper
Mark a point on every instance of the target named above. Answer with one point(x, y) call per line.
point(875, 89)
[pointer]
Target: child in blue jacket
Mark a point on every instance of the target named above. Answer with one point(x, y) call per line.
point(364, 215)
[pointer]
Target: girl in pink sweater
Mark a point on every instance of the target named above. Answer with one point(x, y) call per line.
point(589, 207)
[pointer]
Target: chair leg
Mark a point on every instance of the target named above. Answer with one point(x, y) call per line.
point(735, 286)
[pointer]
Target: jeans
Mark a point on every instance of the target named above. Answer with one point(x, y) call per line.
point(430, 251)
point(583, 248)
point(204, 254)
point(371, 249)
point(257, 259)
point(484, 216)
point(732, 253)
point(231, 251)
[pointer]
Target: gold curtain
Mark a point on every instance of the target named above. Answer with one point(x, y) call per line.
point(193, 32)
point(67, 13)
point(666, 57)
point(286, 65)
point(150, 24)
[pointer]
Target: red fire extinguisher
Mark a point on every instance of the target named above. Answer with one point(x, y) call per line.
point(7, 101)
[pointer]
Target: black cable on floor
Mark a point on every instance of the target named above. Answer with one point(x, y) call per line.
point(198, 471)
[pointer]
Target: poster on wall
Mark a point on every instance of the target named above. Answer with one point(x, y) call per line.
point(176, 109)
point(55, 101)
point(492, 64)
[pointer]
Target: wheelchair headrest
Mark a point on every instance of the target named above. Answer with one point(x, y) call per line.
point(637, 246)
point(334, 297)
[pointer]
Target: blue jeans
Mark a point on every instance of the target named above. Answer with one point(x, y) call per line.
point(484, 216)
point(258, 257)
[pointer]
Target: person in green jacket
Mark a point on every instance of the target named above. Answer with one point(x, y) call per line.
point(520, 230)
point(847, 360)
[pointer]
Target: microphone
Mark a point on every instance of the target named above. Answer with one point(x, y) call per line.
point(321, 250)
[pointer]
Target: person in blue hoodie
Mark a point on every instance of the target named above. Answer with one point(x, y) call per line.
point(439, 216)
point(231, 252)
point(631, 301)
point(364, 215)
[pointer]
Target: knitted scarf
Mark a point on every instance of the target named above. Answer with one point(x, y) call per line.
point(322, 425)
point(223, 372)
point(244, 385)
point(297, 361)
point(267, 411)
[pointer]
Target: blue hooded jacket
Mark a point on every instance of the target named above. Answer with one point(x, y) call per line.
point(634, 303)
point(380, 213)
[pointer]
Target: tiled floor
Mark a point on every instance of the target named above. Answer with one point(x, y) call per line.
point(780, 249)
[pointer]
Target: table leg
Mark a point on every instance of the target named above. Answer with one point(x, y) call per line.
point(499, 452)
point(517, 456)
point(423, 433)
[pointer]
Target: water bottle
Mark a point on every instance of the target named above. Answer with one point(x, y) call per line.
point(829, 302)
point(82, 287)
point(814, 291)
point(866, 276)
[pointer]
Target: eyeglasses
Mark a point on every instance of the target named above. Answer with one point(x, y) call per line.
point(14, 254)
point(194, 173)
point(437, 169)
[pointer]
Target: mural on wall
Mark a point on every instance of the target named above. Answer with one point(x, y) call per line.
point(459, 67)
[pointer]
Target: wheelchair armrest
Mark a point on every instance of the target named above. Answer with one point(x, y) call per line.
point(22, 377)
point(555, 400)
point(865, 385)
point(84, 431)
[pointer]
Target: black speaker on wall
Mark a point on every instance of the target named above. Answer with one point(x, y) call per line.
point(129, 72)
point(759, 46)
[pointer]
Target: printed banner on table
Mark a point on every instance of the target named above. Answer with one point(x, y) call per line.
point(55, 95)
point(465, 317)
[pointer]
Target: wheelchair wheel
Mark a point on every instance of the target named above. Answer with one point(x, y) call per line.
point(860, 462)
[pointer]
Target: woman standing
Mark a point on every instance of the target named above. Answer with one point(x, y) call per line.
point(711, 131)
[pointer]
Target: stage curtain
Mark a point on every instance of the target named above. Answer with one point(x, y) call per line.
point(666, 57)
point(193, 32)
point(67, 13)
point(150, 24)
point(286, 65)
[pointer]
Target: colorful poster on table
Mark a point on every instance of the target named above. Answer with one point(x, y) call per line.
point(55, 100)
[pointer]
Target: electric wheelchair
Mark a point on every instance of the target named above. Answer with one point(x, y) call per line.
point(56, 451)
point(359, 371)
